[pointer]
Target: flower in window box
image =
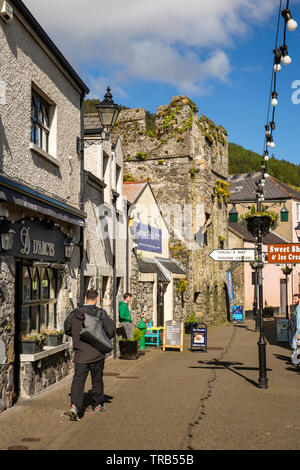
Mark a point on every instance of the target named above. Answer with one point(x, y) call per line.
point(54, 337)
point(32, 342)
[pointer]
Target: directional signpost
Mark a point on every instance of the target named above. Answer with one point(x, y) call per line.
point(246, 255)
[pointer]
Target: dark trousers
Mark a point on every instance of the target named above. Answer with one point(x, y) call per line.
point(78, 384)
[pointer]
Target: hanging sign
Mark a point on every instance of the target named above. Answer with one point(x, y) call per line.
point(36, 240)
point(288, 253)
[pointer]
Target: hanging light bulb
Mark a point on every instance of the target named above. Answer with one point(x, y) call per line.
point(274, 99)
point(277, 59)
point(277, 68)
point(285, 59)
point(270, 142)
point(267, 175)
point(291, 24)
point(268, 133)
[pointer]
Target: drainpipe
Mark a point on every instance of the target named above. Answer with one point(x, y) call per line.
point(82, 200)
point(115, 197)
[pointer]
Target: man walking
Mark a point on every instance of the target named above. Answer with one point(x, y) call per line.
point(124, 315)
point(87, 358)
point(295, 359)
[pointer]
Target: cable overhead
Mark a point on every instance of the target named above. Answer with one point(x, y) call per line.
point(281, 56)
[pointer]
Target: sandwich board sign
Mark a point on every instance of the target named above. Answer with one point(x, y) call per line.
point(173, 335)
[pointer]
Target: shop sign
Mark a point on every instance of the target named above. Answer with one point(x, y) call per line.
point(288, 253)
point(148, 238)
point(35, 240)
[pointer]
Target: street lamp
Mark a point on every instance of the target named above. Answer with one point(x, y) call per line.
point(69, 248)
point(6, 236)
point(108, 113)
point(287, 271)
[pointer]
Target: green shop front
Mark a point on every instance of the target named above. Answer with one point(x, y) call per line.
point(38, 289)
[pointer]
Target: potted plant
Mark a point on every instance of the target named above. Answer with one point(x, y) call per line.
point(190, 323)
point(32, 343)
point(54, 337)
point(129, 349)
point(264, 220)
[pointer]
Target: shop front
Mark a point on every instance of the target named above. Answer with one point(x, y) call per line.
point(38, 289)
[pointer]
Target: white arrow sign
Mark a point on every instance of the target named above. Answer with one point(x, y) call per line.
point(233, 255)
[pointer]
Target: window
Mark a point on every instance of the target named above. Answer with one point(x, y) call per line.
point(40, 122)
point(39, 298)
point(298, 212)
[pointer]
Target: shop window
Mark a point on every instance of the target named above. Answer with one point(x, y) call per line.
point(40, 122)
point(40, 290)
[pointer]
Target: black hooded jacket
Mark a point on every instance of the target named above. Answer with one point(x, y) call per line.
point(84, 352)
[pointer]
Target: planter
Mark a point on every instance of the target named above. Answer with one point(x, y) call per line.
point(188, 327)
point(30, 347)
point(54, 340)
point(129, 350)
point(255, 223)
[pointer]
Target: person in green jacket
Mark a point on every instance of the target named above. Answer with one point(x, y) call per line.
point(124, 315)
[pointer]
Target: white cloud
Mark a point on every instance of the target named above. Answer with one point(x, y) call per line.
point(179, 43)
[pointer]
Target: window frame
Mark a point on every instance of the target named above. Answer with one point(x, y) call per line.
point(40, 302)
point(43, 125)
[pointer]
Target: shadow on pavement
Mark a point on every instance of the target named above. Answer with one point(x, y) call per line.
point(230, 366)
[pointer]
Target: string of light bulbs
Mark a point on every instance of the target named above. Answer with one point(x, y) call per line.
point(281, 56)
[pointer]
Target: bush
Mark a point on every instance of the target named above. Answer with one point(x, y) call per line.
point(136, 335)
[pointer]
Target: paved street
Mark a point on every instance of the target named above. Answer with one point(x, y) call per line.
point(175, 401)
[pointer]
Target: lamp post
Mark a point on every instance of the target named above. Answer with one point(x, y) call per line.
point(108, 113)
point(287, 271)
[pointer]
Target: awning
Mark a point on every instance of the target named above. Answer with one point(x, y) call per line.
point(147, 265)
point(20, 195)
point(165, 268)
point(172, 265)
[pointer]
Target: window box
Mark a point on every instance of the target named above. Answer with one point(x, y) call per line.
point(30, 347)
point(54, 340)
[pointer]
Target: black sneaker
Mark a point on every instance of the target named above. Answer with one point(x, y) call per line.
point(74, 414)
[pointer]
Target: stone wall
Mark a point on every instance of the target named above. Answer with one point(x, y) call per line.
point(142, 301)
point(37, 376)
point(7, 331)
point(184, 158)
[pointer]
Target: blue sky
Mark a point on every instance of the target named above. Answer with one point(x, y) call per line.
point(217, 53)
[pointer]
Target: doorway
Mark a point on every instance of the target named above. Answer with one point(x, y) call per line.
point(160, 303)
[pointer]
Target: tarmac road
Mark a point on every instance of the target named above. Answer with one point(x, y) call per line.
point(174, 401)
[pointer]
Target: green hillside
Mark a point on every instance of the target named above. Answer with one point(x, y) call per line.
point(242, 160)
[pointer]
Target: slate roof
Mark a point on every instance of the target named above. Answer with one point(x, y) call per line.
point(243, 188)
point(151, 266)
point(171, 266)
point(271, 237)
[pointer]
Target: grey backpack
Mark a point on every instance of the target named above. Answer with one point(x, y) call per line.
point(93, 333)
